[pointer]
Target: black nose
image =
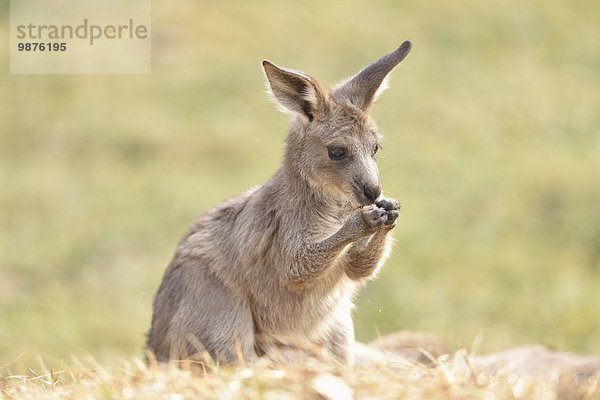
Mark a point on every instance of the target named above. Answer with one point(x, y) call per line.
point(372, 192)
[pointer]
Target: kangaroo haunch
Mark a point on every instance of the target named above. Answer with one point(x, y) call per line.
point(278, 265)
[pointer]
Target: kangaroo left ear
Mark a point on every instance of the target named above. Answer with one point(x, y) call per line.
point(295, 91)
point(363, 89)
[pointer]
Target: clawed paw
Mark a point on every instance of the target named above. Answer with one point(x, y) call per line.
point(382, 214)
point(392, 210)
point(374, 217)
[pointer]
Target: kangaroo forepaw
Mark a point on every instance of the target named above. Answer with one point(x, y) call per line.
point(392, 210)
point(374, 217)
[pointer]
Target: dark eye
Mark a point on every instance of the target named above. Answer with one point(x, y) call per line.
point(376, 149)
point(336, 152)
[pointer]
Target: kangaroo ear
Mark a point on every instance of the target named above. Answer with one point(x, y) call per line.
point(295, 91)
point(363, 88)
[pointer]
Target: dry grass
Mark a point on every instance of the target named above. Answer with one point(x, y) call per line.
point(310, 379)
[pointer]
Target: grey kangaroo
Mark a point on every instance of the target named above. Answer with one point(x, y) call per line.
point(277, 266)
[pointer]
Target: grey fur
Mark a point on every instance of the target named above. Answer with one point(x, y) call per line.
point(279, 265)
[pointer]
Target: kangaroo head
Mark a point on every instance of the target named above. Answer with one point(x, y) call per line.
point(332, 143)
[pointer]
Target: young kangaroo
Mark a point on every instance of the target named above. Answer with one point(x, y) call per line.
point(280, 263)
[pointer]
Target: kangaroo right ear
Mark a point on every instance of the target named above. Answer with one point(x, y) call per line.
point(295, 91)
point(363, 89)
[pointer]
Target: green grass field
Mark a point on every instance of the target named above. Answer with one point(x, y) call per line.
point(492, 144)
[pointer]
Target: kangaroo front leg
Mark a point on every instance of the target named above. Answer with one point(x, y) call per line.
point(312, 260)
point(368, 254)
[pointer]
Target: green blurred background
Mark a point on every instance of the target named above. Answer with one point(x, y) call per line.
point(492, 144)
